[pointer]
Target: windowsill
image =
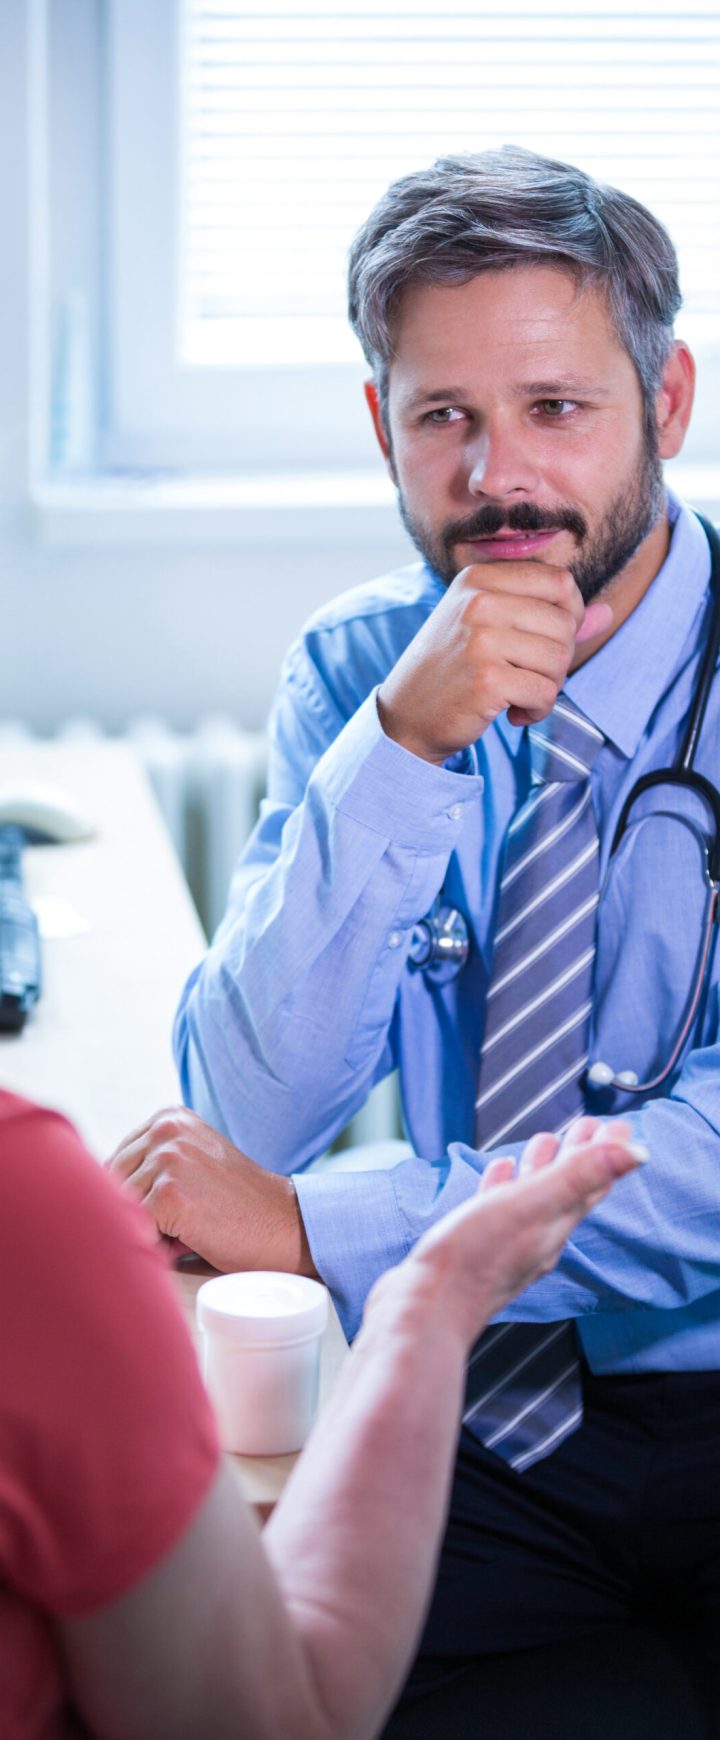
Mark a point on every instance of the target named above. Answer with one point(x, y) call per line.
point(292, 507)
point(289, 507)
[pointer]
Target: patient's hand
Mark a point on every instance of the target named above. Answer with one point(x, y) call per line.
point(207, 1194)
point(512, 1231)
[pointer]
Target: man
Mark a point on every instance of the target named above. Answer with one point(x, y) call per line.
point(518, 320)
point(136, 1597)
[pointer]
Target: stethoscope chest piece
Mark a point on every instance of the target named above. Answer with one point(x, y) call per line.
point(441, 939)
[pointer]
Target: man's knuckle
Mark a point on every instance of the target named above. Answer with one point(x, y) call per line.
point(567, 622)
point(167, 1124)
point(566, 590)
point(167, 1193)
point(169, 1157)
point(476, 610)
point(545, 692)
point(491, 682)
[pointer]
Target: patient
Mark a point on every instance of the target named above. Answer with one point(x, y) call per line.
point(137, 1601)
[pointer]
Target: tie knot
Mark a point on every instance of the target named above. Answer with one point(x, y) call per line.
point(563, 746)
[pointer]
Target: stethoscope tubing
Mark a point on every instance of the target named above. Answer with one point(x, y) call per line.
point(709, 664)
point(683, 773)
point(648, 1087)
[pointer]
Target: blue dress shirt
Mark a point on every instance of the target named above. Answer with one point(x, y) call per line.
point(306, 997)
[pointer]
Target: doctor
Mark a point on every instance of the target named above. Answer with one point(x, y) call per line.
point(465, 732)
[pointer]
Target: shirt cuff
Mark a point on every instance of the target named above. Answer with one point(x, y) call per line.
point(374, 781)
point(355, 1231)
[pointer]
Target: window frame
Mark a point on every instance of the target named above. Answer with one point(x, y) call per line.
point(165, 413)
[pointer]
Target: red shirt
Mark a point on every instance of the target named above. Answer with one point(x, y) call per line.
point(107, 1440)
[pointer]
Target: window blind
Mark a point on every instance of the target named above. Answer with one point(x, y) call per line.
point(295, 118)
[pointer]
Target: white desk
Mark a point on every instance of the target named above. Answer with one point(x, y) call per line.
point(98, 1044)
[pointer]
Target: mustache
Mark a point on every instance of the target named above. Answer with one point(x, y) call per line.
point(524, 517)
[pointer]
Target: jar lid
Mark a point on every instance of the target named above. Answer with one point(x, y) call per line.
point(260, 1305)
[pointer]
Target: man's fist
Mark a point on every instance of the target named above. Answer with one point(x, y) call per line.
point(501, 640)
point(208, 1196)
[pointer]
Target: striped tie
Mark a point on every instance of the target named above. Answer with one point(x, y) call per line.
point(523, 1393)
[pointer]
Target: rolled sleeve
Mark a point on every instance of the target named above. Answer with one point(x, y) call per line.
point(378, 784)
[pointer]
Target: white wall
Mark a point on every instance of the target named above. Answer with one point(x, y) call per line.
point(112, 632)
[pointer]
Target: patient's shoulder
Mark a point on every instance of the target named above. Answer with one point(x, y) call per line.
point(56, 1202)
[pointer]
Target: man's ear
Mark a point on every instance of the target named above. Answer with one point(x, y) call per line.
point(675, 400)
point(373, 400)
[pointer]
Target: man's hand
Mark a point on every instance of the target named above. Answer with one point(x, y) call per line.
point(501, 640)
point(209, 1196)
point(482, 1254)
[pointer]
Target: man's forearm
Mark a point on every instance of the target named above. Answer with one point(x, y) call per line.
point(283, 1030)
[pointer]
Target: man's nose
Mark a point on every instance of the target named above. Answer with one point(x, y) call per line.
point(501, 464)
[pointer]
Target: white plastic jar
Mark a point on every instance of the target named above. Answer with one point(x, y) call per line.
point(261, 1335)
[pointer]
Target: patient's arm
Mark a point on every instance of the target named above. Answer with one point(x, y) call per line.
point(308, 1633)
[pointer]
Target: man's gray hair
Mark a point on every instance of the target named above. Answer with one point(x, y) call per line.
point(497, 209)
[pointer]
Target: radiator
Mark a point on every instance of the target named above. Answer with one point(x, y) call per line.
point(208, 784)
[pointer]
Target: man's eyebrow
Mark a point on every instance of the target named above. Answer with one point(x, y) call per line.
point(568, 387)
point(434, 396)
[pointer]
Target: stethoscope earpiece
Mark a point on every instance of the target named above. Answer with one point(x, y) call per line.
point(603, 1075)
point(600, 1075)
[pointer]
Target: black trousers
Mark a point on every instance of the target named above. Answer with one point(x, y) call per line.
point(592, 1579)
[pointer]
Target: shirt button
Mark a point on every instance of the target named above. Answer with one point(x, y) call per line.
point(394, 939)
point(455, 812)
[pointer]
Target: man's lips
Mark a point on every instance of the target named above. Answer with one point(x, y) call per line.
point(510, 546)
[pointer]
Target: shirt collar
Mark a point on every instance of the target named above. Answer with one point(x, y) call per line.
point(620, 685)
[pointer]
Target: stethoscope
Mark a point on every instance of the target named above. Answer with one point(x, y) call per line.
point(442, 937)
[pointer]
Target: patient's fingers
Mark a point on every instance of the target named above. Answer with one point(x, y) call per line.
point(580, 1131)
point(539, 1151)
point(499, 1171)
point(594, 1130)
point(587, 1171)
point(617, 1129)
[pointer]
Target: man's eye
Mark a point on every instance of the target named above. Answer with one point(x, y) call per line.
point(556, 407)
point(444, 414)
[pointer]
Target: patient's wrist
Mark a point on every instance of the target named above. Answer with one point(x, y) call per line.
point(405, 1313)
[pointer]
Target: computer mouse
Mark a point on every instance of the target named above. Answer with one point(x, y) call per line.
point(46, 814)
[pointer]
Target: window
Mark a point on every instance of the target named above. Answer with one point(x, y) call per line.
point(296, 117)
point(244, 143)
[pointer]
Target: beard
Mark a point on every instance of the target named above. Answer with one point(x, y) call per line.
point(601, 554)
